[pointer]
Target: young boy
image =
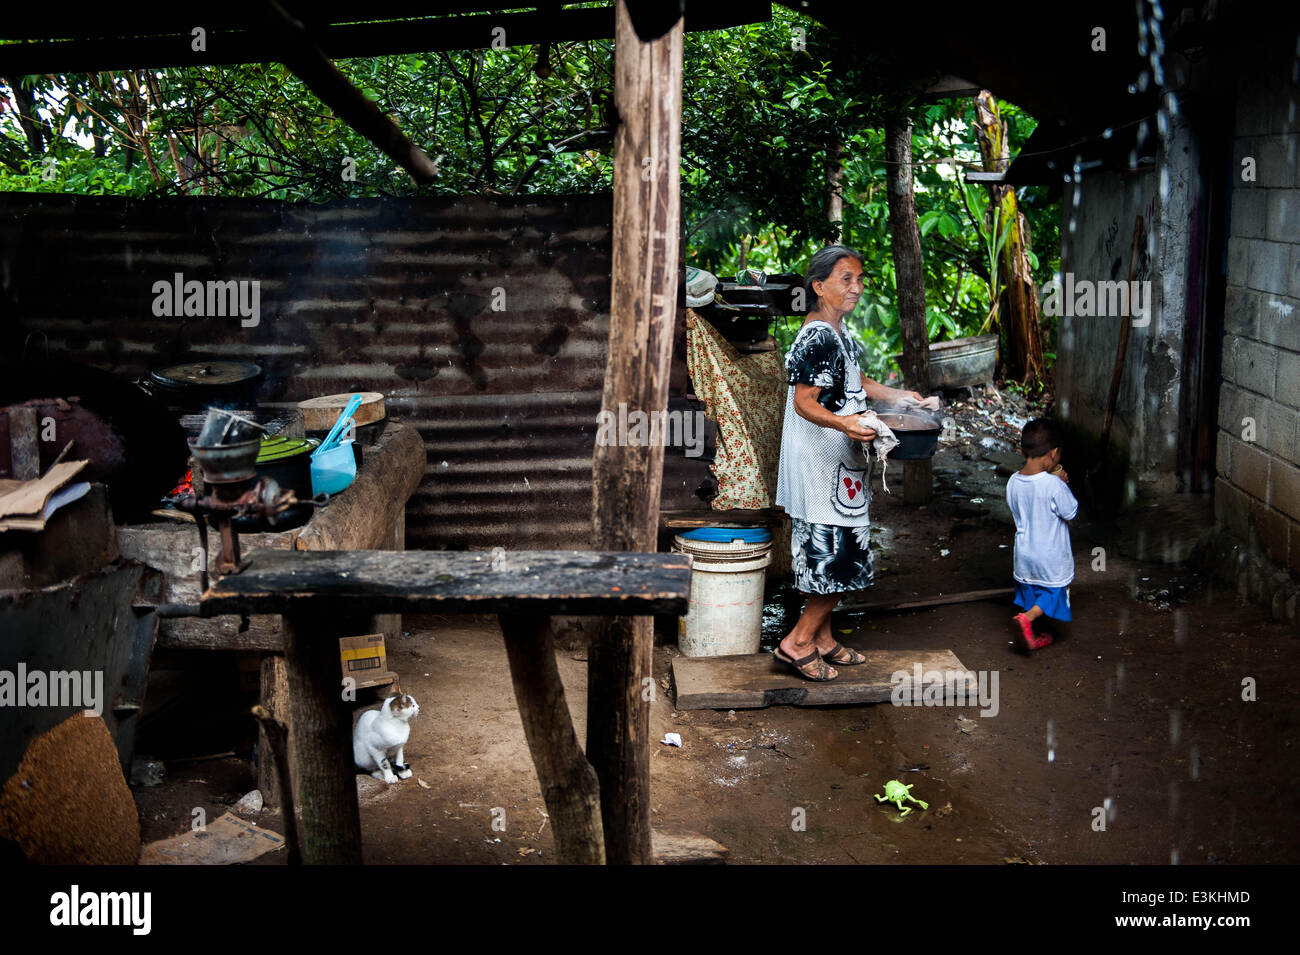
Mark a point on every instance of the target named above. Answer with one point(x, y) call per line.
point(1041, 503)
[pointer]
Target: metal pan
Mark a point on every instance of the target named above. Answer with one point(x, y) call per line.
point(917, 431)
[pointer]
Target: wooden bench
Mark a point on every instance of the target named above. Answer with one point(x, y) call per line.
point(323, 594)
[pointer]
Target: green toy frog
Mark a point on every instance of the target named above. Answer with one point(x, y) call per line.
point(896, 793)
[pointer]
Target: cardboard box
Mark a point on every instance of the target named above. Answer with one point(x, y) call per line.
point(365, 660)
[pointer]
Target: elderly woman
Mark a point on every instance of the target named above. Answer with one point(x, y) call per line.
point(822, 483)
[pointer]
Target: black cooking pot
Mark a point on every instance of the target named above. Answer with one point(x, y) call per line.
point(917, 432)
point(195, 386)
point(288, 461)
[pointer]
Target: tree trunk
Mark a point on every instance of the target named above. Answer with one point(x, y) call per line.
point(909, 275)
point(905, 239)
point(25, 107)
point(1023, 323)
point(835, 193)
point(627, 481)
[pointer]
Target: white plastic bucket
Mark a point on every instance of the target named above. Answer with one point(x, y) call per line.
point(726, 611)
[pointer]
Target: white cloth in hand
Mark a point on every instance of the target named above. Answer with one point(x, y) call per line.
point(884, 441)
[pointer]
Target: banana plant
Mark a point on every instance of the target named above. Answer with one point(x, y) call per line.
point(993, 236)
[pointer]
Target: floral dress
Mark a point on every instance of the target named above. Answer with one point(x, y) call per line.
point(823, 481)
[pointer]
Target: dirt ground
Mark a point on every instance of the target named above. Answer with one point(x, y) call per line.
point(1135, 714)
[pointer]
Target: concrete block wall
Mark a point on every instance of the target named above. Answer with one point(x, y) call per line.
point(1257, 490)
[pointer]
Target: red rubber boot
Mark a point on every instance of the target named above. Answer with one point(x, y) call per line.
point(1023, 629)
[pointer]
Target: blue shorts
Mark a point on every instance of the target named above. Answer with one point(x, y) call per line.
point(1053, 601)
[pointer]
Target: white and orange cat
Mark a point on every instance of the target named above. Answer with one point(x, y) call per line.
point(380, 735)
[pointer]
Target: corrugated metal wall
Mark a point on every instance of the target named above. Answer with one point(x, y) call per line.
point(385, 295)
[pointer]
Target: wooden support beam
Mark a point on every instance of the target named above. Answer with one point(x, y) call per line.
point(320, 736)
point(271, 780)
point(918, 481)
point(628, 481)
point(568, 782)
point(352, 106)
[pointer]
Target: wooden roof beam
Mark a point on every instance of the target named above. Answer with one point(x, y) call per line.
point(224, 45)
point(337, 92)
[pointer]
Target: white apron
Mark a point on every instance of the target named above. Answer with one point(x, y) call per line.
point(824, 476)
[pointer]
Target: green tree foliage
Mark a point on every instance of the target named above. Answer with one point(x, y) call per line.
point(762, 121)
point(507, 121)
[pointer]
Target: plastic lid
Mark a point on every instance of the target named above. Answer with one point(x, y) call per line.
point(725, 535)
point(278, 447)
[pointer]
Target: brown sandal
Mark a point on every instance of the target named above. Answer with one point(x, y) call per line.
point(820, 668)
point(854, 656)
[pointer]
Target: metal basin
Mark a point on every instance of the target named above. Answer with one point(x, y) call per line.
point(917, 433)
point(962, 362)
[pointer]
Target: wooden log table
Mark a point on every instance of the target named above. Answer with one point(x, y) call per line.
point(322, 593)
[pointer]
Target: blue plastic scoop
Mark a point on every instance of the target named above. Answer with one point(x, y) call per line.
point(332, 438)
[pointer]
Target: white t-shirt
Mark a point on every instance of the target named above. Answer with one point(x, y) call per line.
point(1041, 504)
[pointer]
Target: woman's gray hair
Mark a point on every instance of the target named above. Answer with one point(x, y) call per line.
point(822, 264)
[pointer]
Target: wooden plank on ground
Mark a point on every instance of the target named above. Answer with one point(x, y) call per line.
point(755, 680)
point(671, 846)
point(917, 603)
point(574, 582)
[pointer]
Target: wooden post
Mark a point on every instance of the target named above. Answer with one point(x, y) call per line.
point(918, 481)
point(275, 699)
point(568, 782)
point(627, 482)
point(320, 736)
point(909, 267)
